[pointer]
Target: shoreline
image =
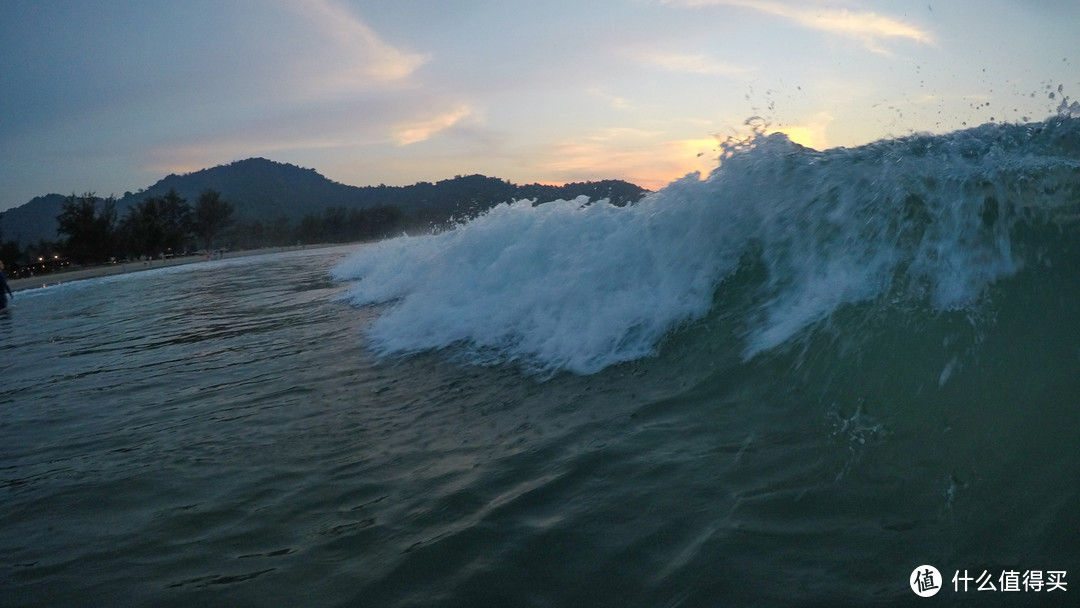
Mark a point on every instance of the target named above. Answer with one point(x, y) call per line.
point(94, 272)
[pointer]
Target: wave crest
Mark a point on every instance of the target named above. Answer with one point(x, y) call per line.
point(580, 286)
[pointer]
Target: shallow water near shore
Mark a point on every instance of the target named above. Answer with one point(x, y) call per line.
point(268, 431)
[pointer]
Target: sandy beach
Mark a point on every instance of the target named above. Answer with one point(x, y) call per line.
point(92, 272)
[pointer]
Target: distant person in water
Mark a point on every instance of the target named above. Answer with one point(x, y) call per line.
point(5, 290)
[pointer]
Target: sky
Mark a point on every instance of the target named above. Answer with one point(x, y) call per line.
point(109, 96)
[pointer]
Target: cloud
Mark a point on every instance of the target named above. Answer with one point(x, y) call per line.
point(867, 27)
point(414, 132)
point(356, 52)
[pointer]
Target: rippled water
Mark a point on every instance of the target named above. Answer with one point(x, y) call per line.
point(219, 434)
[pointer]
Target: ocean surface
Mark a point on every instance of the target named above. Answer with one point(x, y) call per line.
point(792, 382)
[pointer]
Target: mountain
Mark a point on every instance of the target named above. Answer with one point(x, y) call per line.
point(33, 221)
point(266, 191)
point(258, 188)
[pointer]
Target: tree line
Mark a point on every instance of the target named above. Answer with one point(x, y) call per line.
point(92, 233)
point(332, 225)
point(91, 230)
point(161, 222)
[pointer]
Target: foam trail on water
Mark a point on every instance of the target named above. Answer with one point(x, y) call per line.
point(573, 286)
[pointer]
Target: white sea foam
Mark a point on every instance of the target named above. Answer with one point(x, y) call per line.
point(573, 286)
point(563, 285)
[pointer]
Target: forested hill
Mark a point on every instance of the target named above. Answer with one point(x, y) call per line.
point(259, 189)
point(33, 221)
point(265, 191)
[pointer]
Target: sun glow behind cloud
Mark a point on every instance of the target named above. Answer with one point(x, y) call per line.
point(646, 158)
point(811, 134)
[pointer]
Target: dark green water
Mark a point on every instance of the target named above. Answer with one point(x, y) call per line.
point(225, 443)
point(239, 434)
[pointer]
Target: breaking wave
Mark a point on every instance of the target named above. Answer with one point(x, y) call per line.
point(925, 223)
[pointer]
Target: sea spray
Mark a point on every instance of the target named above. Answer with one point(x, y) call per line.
point(563, 285)
point(580, 285)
